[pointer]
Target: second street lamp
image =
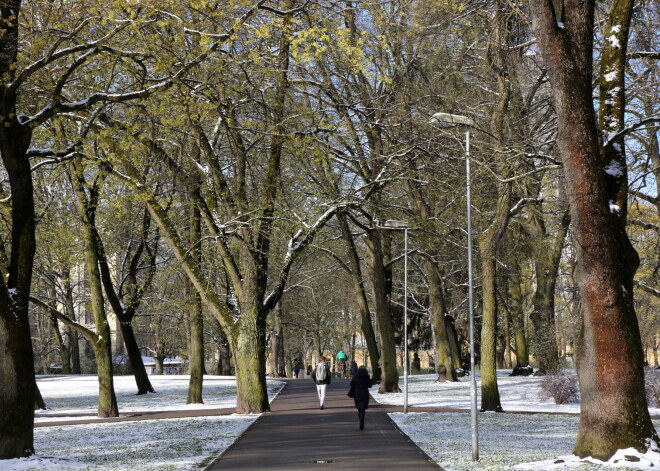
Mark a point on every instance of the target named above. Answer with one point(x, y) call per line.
point(447, 120)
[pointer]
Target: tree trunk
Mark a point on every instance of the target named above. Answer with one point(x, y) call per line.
point(102, 346)
point(249, 360)
point(196, 354)
point(196, 320)
point(438, 315)
point(276, 343)
point(107, 399)
point(39, 403)
point(16, 355)
point(389, 375)
point(614, 412)
point(490, 394)
point(547, 255)
point(518, 321)
point(69, 311)
point(361, 295)
point(135, 357)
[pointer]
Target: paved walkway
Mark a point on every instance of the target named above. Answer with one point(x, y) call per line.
point(296, 435)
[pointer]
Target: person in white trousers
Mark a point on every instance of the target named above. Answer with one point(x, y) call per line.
point(321, 377)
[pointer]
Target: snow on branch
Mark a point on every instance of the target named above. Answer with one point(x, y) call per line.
point(523, 202)
point(646, 225)
point(613, 136)
point(297, 243)
point(646, 288)
point(57, 107)
point(54, 54)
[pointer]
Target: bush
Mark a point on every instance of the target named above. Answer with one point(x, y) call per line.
point(561, 387)
point(652, 381)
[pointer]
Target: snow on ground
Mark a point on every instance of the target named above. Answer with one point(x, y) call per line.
point(507, 441)
point(73, 395)
point(166, 444)
point(517, 393)
point(152, 445)
point(539, 441)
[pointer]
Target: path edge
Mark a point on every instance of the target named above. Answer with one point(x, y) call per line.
point(238, 439)
point(420, 450)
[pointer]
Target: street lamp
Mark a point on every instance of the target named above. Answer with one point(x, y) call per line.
point(392, 224)
point(447, 120)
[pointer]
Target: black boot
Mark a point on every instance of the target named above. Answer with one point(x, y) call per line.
point(361, 416)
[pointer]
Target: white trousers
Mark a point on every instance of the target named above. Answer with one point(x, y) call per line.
point(320, 389)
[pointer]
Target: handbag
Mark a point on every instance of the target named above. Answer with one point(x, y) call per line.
point(351, 391)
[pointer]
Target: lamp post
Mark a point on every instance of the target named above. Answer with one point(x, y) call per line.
point(392, 224)
point(447, 120)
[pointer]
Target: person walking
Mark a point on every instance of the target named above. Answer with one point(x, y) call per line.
point(360, 383)
point(321, 377)
point(354, 367)
point(296, 370)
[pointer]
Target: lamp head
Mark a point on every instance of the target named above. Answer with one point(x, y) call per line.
point(448, 120)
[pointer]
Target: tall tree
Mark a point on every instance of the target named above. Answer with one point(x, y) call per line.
point(614, 412)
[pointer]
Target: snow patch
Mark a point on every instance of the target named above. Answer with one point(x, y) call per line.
point(610, 76)
point(614, 169)
point(628, 458)
point(614, 42)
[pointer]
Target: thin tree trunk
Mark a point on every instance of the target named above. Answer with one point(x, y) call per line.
point(547, 255)
point(196, 321)
point(517, 317)
point(135, 357)
point(389, 374)
point(361, 295)
point(438, 315)
point(490, 394)
point(69, 311)
point(102, 347)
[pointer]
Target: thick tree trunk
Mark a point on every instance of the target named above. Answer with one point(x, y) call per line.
point(135, 357)
point(16, 355)
point(389, 375)
point(17, 392)
point(614, 413)
point(249, 360)
point(361, 296)
point(107, 399)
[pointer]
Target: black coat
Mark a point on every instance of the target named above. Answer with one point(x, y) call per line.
point(361, 384)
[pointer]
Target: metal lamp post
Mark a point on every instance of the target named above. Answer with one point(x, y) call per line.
point(447, 120)
point(391, 224)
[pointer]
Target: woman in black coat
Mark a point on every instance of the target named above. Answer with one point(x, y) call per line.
point(361, 384)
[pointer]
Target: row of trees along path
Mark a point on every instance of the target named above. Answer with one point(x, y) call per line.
point(242, 146)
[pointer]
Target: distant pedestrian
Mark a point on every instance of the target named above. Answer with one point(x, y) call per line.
point(321, 376)
point(361, 384)
point(354, 368)
point(296, 371)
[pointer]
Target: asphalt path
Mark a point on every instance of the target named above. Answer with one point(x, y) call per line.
point(297, 435)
